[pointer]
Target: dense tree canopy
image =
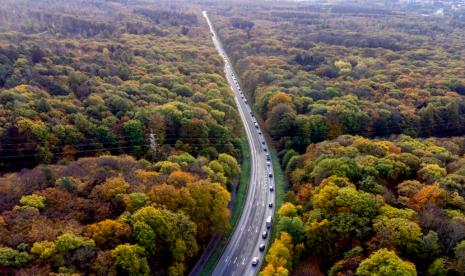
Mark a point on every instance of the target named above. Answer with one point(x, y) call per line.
point(92, 85)
point(114, 214)
point(377, 207)
point(318, 71)
point(81, 81)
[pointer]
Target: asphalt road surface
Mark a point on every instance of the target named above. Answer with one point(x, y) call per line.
point(244, 244)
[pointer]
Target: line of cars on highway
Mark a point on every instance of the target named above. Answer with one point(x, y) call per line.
point(269, 219)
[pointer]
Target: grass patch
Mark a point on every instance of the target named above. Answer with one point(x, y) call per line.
point(241, 193)
point(238, 205)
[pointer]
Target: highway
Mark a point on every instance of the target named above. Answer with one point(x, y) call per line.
point(246, 239)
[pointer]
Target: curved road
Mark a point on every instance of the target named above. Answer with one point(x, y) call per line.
point(244, 243)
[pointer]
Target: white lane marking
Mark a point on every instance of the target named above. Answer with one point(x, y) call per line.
point(235, 260)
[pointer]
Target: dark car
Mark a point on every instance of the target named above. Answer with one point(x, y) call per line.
point(270, 204)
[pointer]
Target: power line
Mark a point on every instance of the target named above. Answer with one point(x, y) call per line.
point(291, 134)
point(97, 142)
point(107, 149)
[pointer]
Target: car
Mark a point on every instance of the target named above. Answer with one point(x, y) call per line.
point(263, 142)
point(265, 149)
point(271, 188)
point(255, 261)
point(268, 157)
point(270, 175)
point(269, 219)
point(265, 234)
point(261, 247)
point(270, 204)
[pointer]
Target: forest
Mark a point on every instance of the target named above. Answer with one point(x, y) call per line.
point(366, 107)
point(78, 93)
point(358, 206)
point(120, 141)
point(121, 144)
point(316, 73)
point(113, 215)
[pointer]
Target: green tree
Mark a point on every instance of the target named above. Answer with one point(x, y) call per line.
point(385, 263)
point(145, 236)
point(134, 130)
point(176, 230)
point(437, 268)
point(12, 257)
point(294, 226)
point(130, 260)
point(70, 241)
point(343, 167)
point(135, 201)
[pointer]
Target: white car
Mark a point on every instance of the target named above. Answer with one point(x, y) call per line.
point(255, 261)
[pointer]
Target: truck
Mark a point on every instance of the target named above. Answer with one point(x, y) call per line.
point(268, 222)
